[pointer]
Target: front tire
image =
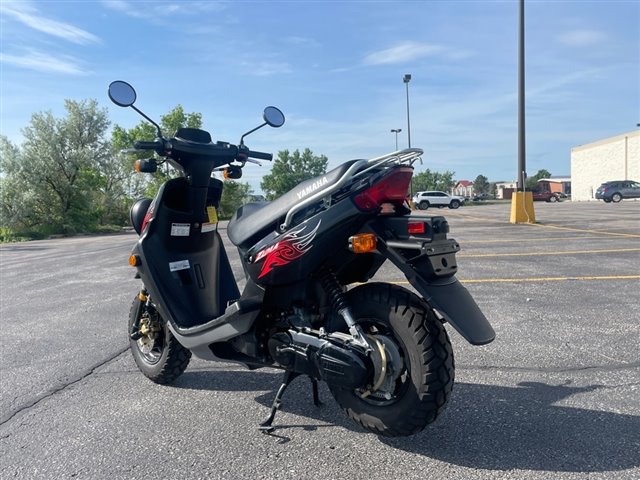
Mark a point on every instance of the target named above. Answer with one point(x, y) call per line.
point(616, 197)
point(553, 199)
point(157, 353)
point(423, 373)
point(454, 204)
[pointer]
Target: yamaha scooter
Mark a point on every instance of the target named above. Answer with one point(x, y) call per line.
point(309, 307)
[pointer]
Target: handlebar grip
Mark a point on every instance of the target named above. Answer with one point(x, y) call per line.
point(260, 155)
point(141, 145)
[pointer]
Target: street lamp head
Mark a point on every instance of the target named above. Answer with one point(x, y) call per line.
point(407, 77)
point(396, 130)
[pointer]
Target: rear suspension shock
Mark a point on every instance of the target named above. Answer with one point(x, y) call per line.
point(333, 289)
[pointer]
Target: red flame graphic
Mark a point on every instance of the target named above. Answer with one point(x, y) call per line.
point(288, 249)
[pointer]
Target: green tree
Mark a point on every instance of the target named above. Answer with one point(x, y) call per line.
point(481, 184)
point(532, 182)
point(429, 180)
point(290, 169)
point(55, 176)
point(234, 195)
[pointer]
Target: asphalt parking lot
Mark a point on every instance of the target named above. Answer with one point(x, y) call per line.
point(556, 395)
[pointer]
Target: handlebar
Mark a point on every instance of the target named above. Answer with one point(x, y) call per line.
point(142, 145)
point(198, 159)
point(260, 155)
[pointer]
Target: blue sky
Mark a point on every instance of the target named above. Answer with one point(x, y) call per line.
point(335, 69)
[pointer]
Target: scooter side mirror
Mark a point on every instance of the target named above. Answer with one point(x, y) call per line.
point(273, 117)
point(122, 94)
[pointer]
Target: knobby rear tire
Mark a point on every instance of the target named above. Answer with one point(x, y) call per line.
point(173, 359)
point(423, 341)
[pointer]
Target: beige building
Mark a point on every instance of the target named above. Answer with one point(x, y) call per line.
point(615, 158)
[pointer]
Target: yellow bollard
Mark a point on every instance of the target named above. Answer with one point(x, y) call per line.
point(522, 208)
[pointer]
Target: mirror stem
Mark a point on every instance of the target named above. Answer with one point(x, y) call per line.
point(250, 131)
point(150, 121)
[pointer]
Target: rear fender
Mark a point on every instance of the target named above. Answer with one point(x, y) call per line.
point(428, 262)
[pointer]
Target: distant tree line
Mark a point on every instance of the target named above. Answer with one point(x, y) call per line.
point(70, 174)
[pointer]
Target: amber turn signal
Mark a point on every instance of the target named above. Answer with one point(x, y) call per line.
point(134, 260)
point(363, 243)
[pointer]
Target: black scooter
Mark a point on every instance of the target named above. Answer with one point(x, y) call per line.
point(382, 349)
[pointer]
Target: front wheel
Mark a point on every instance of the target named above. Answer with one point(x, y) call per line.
point(157, 353)
point(454, 204)
point(412, 386)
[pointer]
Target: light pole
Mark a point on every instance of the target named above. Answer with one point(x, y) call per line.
point(396, 131)
point(522, 162)
point(406, 79)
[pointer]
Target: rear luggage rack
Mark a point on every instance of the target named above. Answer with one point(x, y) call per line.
point(358, 169)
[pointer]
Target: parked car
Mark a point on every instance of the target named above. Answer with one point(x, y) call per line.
point(483, 196)
point(617, 190)
point(539, 196)
point(424, 200)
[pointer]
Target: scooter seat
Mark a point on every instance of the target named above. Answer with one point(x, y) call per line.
point(251, 221)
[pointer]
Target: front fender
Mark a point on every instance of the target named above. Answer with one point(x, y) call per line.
point(428, 262)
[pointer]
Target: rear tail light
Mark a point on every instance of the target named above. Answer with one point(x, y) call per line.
point(392, 188)
point(415, 228)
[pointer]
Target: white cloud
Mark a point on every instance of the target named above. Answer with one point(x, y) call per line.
point(151, 11)
point(123, 7)
point(42, 62)
point(402, 53)
point(582, 38)
point(30, 16)
point(263, 69)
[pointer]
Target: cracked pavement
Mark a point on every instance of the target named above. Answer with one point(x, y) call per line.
point(555, 396)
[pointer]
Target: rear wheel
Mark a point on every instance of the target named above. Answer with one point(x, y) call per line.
point(616, 197)
point(157, 353)
point(423, 205)
point(414, 367)
point(553, 198)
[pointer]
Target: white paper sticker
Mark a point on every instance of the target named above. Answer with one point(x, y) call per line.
point(180, 229)
point(181, 265)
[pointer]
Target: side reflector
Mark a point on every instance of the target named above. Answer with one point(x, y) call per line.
point(415, 227)
point(363, 243)
point(134, 260)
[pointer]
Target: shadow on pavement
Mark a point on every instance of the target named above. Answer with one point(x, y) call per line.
point(485, 426)
point(505, 428)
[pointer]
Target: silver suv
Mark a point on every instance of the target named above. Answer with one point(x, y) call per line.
point(424, 200)
point(617, 190)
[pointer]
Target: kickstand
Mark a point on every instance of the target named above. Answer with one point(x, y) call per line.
point(314, 388)
point(266, 426)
